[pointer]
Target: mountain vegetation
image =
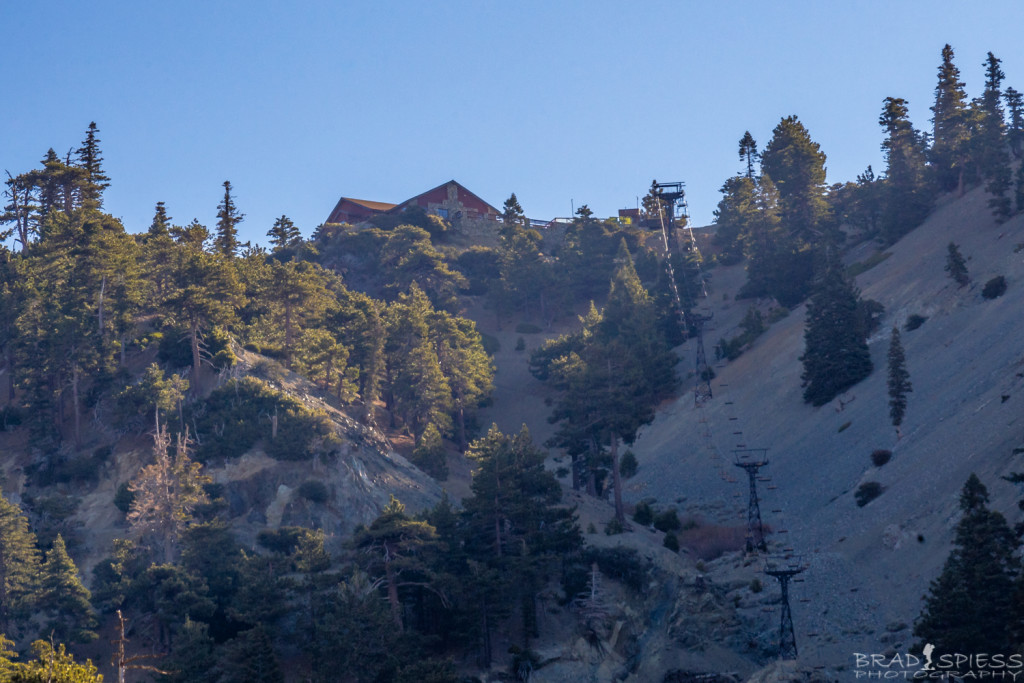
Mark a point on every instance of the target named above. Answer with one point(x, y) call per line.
point(136, 364)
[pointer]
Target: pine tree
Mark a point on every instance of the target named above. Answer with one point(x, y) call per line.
point(19, 565)
point(951, 134)
point(993, 158)
point(90, 160)
point(907, 200)
point(512, 214)
point(734, 216)
point(836, 354)
point(898, 381)
point(796, 165)
point(228, 219)
point(63, 596)
point(251, 659)
point(283, 234)
point(1015, 127)
point(748, 152)
point(971, 607)
point(956, 266)
point(193, 658)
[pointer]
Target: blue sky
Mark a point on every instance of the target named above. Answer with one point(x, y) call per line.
point(298, 103)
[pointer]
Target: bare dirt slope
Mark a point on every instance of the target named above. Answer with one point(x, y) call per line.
point(868, 566)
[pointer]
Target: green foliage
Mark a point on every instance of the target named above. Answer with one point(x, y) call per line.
point(951, 136)
point(796, 165)
point(836, 354)
point(63, 598)
point(314, 490)
point(644, 513)
point(667, 520)
point(867, 492)
point(994, 288)
point(52, 665)
point(880, 457)
point(907, 197)
point(898, 380)
point(19, 565)
point(914, 321)
point(628, 465)
point(520, 344)
point(867, 264)
point(430, 454)
point(971, 606)
point(956, 266)
point(241, 413)
point(614, 527)
point(123, 497)
point(671, 542)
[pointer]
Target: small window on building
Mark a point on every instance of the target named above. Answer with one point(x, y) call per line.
point(443, 213)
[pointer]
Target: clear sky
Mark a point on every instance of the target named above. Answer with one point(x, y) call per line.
point(563, 103)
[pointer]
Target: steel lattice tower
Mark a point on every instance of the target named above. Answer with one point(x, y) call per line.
point(787, 637)
point(752, 460)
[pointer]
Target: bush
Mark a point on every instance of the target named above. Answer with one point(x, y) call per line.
point(628, 465)
point(880, 457)
point(625, 565)
point(314, 491)
point(520, 344)
point(10, 416)
point(994, 288)
point(671, 542)
point(643, 515)
point(667, 520)
point(756, 586)
point(843, 427)
point(124, 497)
point(867, 492)
point(490, 343)
point(914, 321)
point(528, 328)
point(430, 455)
point(614, 527)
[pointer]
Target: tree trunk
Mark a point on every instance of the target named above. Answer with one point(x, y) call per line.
point(99, 312)
point(288, 335)
point(75, 407)
point(617, 478)
point(460, 424)
point(396, 606)
point(194, 339)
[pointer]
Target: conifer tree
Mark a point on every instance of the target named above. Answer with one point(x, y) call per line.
point(970, 607)
point(63, 596)
point(898, 380)
point(228, 219)
point(951, 133)
point(734, 216)
point(836, 354)
point(90, 160)
point(1015, 125)
point(512, 213)
point(748, 152)
point(796, 165)
point(19, 564)
point(193, 657)
point(907, 198)
point(250, 658)
point(956, 266)
point(993, 158)
point(283, 234)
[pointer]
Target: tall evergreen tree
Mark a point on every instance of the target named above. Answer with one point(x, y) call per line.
point(748, 152)
point(64, 598)
point(951, 133)
point(956, 266)
point(907, 198)
point(90, 160)
point(898, 380)
point(836, 354)
point(970, 607)
point(283, 234)
point(512, 213)
point(228, 218)
point(991, 150)
point(796, 165)
point(19, 565)
point(1015, 125)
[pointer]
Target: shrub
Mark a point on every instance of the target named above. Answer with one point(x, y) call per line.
point(614, 527)
point(430, 455)
point(671, 542)
point(667, 520)
point(520, 344)
point(843, 427)
point(314, 491)
point(528, 328)
point(625, 565)
point(10, 416)
point(994, 288)
point(881, 456)
point(643, 515)
point(867, 264)
point(756, 586)
point(490, 343)
point(628, 464)
point(123, 497)
point(914, 321)
point(867, 492)
point(776, 314)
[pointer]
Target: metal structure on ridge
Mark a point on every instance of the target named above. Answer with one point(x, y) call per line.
point(784, 572)
point(752, 460)
point(673, 196)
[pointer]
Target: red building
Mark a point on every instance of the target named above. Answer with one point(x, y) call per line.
point(450, 201)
